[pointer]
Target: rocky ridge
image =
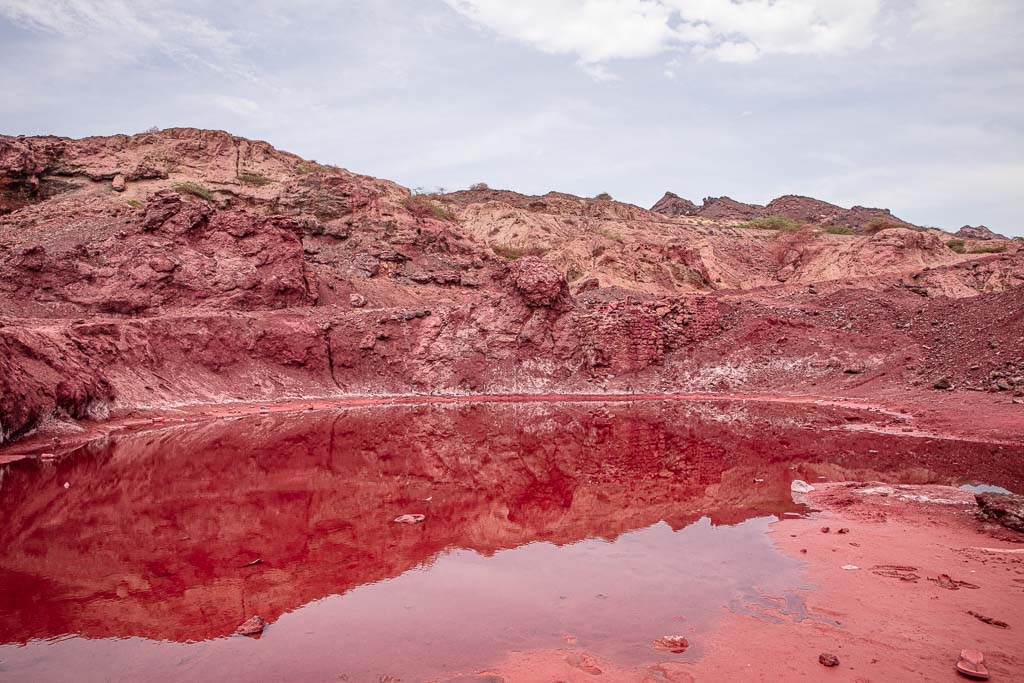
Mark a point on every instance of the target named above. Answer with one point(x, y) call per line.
point(187, 266)
point(978, 232)
point(805, 210)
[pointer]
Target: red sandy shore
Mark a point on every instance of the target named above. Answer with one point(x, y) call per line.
point(889, 628)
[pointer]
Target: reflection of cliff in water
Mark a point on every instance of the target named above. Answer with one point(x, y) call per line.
point(154, 533)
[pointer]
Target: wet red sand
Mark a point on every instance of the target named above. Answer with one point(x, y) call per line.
point(544, 556)
point(890, 629)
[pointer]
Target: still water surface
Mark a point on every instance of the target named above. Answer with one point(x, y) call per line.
point(597, 526)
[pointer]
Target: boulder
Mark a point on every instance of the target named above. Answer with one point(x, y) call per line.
point(539, 283)
point(1005, 508)
point(253, 626)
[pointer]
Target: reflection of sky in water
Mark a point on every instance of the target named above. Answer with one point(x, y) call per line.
point(464, 610)
point(984, 488)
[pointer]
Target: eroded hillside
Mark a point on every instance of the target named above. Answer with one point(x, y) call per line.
point(188, 266)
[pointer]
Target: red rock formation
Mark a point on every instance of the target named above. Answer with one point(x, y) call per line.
point(817, 212)
point(188, 265)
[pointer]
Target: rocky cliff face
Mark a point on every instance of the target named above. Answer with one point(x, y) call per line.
point(189, 265)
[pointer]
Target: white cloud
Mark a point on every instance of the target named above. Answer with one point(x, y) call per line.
point(236, 105)
point(735, 31)
point(134, 30)
point(734, 53)
point(594, 30)
point(954, 18)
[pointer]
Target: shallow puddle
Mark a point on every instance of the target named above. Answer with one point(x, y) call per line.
point(594, 526)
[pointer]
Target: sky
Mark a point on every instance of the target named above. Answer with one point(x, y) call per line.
point(913, 105)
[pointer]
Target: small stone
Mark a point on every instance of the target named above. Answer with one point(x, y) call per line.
point(674, 644)
point(844, 530)
point(118, 183)
point(800, 486)
point(1005, 508)
point(942, 383)
point(825, 529)
point(410, 519)
point(583, 663)
point(253, 626)
point(828, 659)
point(357, 300)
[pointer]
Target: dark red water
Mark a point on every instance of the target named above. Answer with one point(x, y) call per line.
point(604, 526)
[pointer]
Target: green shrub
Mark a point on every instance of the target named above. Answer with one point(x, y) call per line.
point(604, 195)
point(840, 230)
point(303, 169)
point(771, 223)
point(256, 179)
point(196, 190)
point(957, 246)
point(134, 202)
point(987, 249)
point(422, 206)
point(479, 186)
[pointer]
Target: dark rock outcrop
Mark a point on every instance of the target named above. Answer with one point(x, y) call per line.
point(1005, 508)
point(978, 232)
point(729, 209)
point(672, 204)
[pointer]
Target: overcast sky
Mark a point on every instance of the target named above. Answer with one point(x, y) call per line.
point(914, 105)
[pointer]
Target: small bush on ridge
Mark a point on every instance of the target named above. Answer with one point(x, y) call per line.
point(196, 190)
